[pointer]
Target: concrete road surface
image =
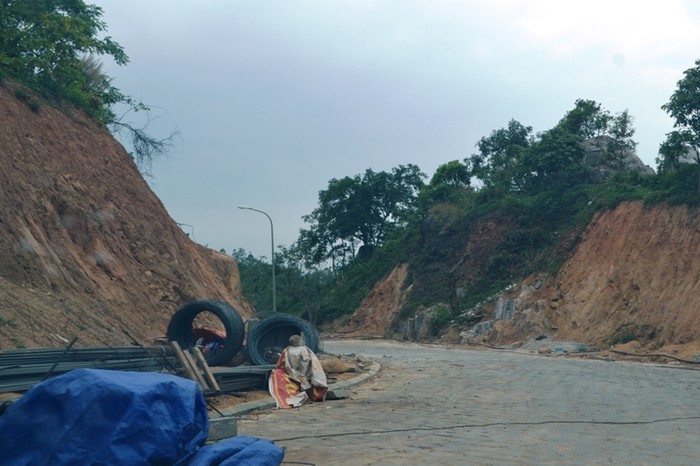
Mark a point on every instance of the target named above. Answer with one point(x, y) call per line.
point(431, 405)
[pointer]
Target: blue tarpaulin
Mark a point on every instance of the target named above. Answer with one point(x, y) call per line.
point(239, 451)
point(112, 418)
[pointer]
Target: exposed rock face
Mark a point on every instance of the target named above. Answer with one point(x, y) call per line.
point(596, 160)
point(691, 156)
point(86, 248)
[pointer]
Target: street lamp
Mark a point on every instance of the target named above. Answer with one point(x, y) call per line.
point(272, 242)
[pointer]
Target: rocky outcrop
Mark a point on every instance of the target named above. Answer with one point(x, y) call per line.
point(598, 164)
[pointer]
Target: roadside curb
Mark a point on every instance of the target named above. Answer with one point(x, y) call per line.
point(249, 407)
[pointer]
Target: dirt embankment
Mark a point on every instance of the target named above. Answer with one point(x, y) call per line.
point(636, 273)
point(376, 313)
point(86, 248)
point(634, 276)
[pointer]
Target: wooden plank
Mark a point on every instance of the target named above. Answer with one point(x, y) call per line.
point(186, 366)
point(205, 368)
point(197, 374)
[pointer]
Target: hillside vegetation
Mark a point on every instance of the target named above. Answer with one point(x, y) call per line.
point(480, 225)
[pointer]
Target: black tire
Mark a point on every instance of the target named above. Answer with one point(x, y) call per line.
point(180, 328)
point(269, 336)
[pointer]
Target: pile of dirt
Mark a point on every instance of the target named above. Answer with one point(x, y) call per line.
point(86, 248)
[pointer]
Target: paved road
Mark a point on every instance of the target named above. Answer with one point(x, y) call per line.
point(432, 405)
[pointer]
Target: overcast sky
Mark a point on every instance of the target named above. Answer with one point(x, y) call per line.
point(273, 99)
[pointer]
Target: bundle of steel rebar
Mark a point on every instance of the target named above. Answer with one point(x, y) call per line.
point(20, 369)
point(242, 378)
point(49, 355)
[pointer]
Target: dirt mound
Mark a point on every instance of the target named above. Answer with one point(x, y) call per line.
point(86, 248)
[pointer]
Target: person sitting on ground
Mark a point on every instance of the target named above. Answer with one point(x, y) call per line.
point(209, 340)
point(298, 376)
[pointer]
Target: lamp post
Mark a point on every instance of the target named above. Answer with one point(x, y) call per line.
point(272, 242)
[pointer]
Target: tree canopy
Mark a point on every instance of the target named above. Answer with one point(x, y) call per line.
point(588, 120)
point(44, 43)
point(496, 162)
point(513, 160)
point(453, 173)
point(358, 211)
point(684, 108)
point(556, 158)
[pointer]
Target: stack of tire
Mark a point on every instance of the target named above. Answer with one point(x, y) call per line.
point(266, 338)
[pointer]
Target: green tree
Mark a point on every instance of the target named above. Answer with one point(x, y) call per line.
point(43, 42)
point(588, 120)
point(497, 163)
point(451, 183)
point(255, 274)
point(677, 145)
point(684, 108)
point(555, 159)
point(300, 291)
point(394, 195)
point(453, 173)
point(359, 211)
point(621, 131)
